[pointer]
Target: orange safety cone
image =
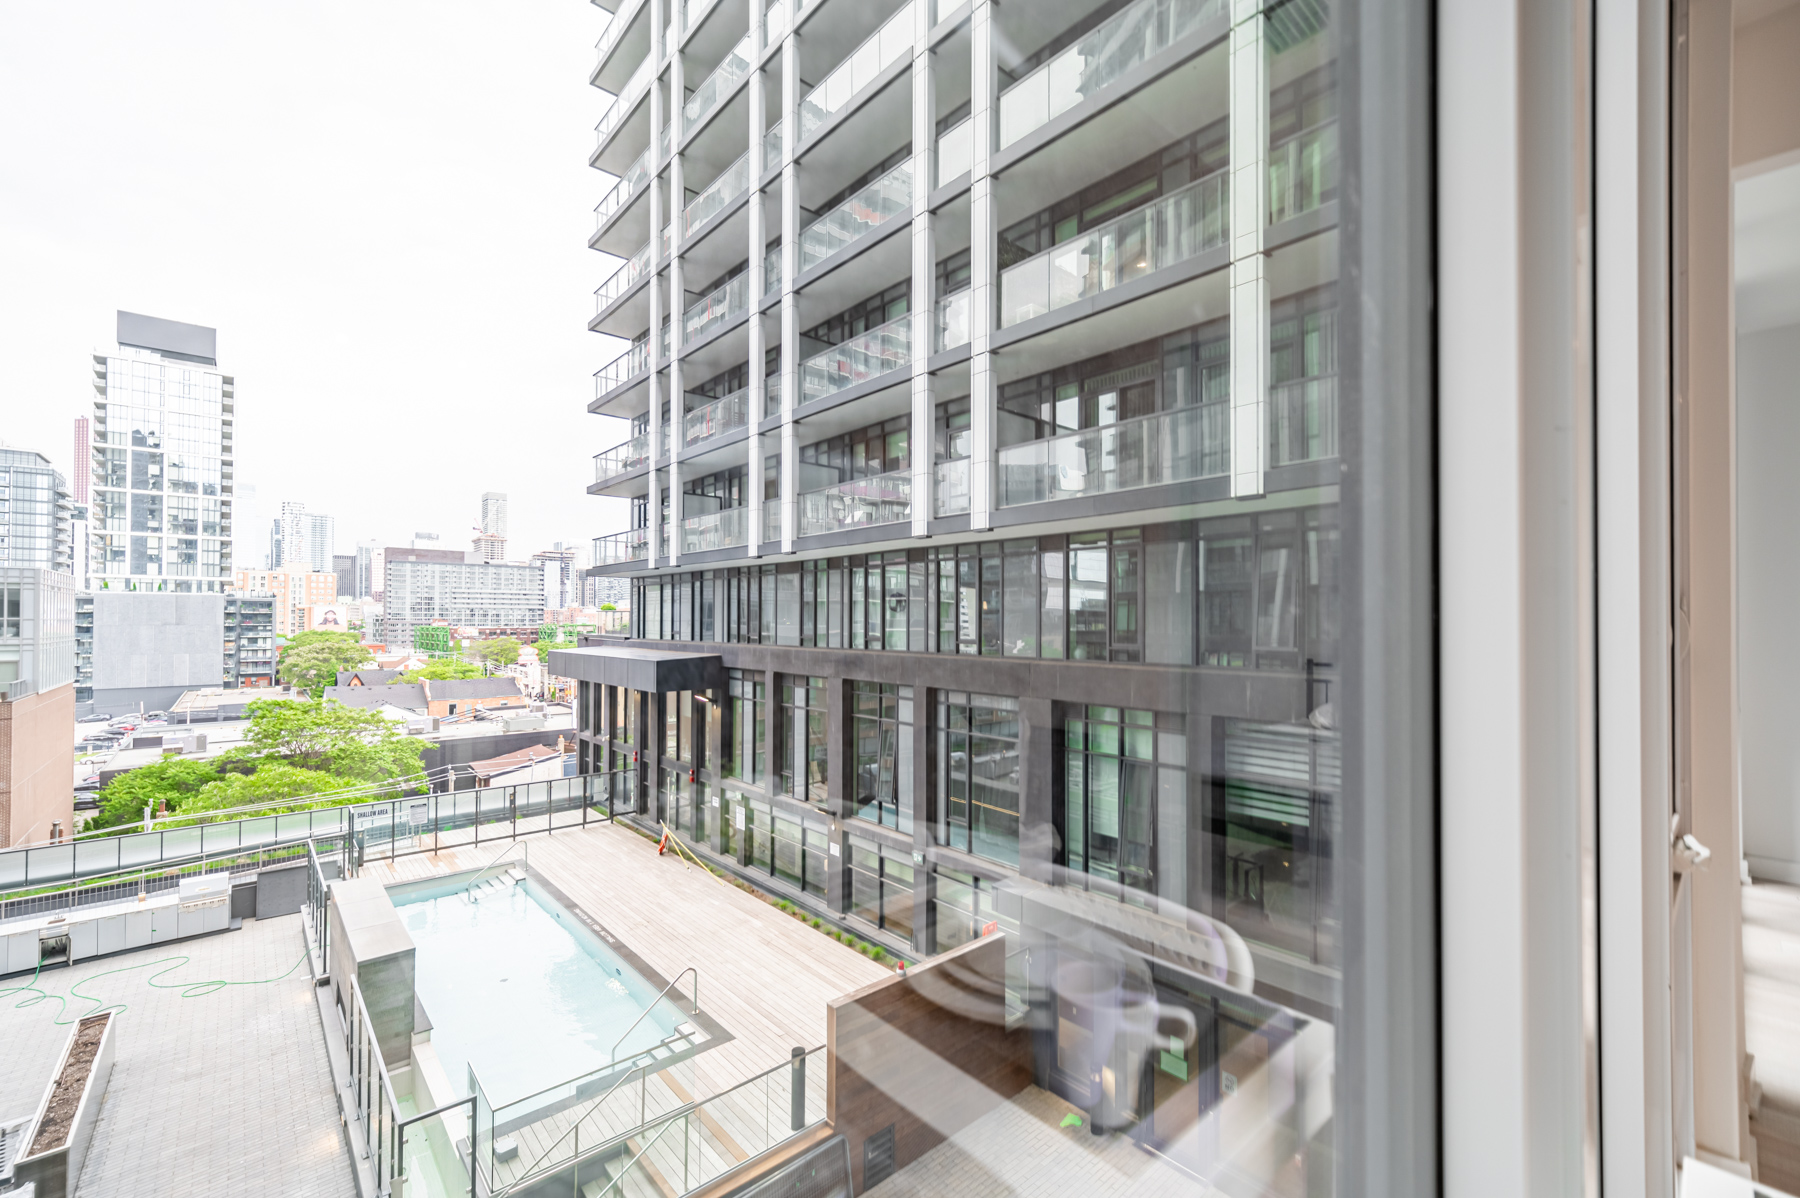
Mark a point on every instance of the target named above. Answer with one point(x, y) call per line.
point(662, 846)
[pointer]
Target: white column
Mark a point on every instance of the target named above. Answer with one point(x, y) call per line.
point(790, 262)
point(755, 400)
point(983, 267)
point(1249, 285)
point(677, 298)
point(924, 272)
point(653, 344)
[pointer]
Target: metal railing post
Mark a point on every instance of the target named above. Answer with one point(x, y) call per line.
point(797, 1089)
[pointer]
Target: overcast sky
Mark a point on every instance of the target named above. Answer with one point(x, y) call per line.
point(381, 205)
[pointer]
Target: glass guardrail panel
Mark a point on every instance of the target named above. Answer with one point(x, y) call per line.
point(870, 208)
point(636, 176)
point(1163, 232)
point(772, 147)
point(630, 363)
point(732, 182)
point(720, 416)
point(863, 357)
point(624, 102)
point(622, 547)
point(1098, 59)
point(952, 490)
point(714, 88)
point(723, 304)
point(772, 271)
point(880, 499)
point(953, 313)
point(715, 530)
point(956, 151)
point(774, 23)
point(771, 525)
point(1303, 420)
point(1177, 446)
point(772, 393)
point(857, 71)
point(1303, 172)
point(622, 279)
point(620, 458)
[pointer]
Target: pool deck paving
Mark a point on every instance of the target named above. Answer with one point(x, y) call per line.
point(764, 976)
point(223, 1093)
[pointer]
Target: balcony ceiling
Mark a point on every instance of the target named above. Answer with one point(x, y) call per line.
point(830, 31)
point(708, 38)
point(628, 52)
point(1019, 29)
point(876, 126)
point(627, 141)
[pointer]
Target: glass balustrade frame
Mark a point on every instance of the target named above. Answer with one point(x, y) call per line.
point(881, 350)
point(862, 213)
point(1184, 444)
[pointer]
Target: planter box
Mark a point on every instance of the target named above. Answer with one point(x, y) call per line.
point(63, 1128)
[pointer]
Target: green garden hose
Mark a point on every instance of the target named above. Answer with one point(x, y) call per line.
point(37, 995)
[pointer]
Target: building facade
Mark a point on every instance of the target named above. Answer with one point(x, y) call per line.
point(137, 651)
point(37, 704)
point(488, 596)
point(249, 640)
point(562, 579)
point(161, 460)
point(36, 511)
point(303, 540)
point(294, 590)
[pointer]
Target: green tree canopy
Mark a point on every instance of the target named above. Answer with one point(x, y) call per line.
point(169, 782)
point(544, 647)
point(312, 667)
point(272, 782)
point(442, 669)
point(351, 744)
point(501, 651)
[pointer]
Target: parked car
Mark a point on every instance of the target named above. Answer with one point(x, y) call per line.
point(96, 718)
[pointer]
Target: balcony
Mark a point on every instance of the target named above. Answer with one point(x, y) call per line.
point(956, 151)
point(622, 458)
point(622, 279)
point(627, 365)
point(772, 270)
point(951, 494)
point(1303, 420)
point(715, 530)
point(716, 86)
point(1099, 59)
point(624, 102)
point(772, 146)
point(866, 356)
point(717, 418)
point(726, 303)
point(772, 393)
point(1166, 231)
point(632, 545)
point(1303, 171)
point(953, 313)
point(870, 208)
point(859, 503)
point(1169, 447)
point(772, 521)
point(635, 179)
point(893, 40)
point(732, 182)
point(775, 22)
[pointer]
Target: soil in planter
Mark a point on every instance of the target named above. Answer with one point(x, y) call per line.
point(59, 1117)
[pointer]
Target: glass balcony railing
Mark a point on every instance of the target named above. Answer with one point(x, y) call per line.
point(715, 530)
point(952, 491)
point(635, 179)
point(622, 458)
point(1162, 233)
point(1169, 447)
point(956, 151)
point(863, 357)
point(774, 23)
point(732, 182)
point(627, 365)
point(870, 208)
point(771, 521)
point(716, 86)
point(879, 499)
point(953, 313)
point(1097, 60)
point(772, 146)
point(615, 29)
point(662, 143)
point(717, 418)
point(622, 279)
point(1303, 420)
point(856, 72)
point(624, 102)
point(1303, 171)
point(726, 302)
point(632, 545)
point(772, 270)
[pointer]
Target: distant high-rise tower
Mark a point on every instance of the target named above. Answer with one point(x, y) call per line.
point(84, 443)
point(302, 538)
point(161, 457)
point(490, 546)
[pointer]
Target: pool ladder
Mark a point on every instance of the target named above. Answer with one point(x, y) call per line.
point(480, 887)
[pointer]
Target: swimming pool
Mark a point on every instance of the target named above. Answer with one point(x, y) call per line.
point(516, 986)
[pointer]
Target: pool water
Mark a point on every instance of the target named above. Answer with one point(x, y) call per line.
point(517, 987)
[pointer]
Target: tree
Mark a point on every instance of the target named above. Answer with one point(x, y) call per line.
point(351, 744)
point(442, 669)
point(170, 783)
point(609, 607)
point(314, 665)
point(271, 782)
point(501, 651)
point(321, 636)
point(544, 647)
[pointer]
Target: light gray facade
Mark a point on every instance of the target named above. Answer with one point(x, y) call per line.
point(37, 631)
point(486, 595)
point(147, 647)
point(35, 512)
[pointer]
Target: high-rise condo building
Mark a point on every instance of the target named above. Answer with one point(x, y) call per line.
point(302, 540)
point(161, 458)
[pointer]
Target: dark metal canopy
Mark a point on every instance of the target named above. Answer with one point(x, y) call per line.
point(654, 670)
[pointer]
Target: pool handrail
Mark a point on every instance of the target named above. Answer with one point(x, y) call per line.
point(495, 860)
point(614, 1053)
point(616, 1185)
point(530, 1170)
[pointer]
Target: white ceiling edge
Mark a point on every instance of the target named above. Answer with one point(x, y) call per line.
point(1766, 236)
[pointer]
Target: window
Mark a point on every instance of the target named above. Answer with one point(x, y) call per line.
point(964, 907)
point(881, 717)
point(746, 758)
point(881, 886)
point(1124, 798)
point(803, 744)
point(978, 775)
point(9, 611)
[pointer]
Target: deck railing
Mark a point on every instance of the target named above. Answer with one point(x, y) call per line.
point(861, 358)
point(871, 207)
point(1176, 446)
point(879, 499)
point(857, 71)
